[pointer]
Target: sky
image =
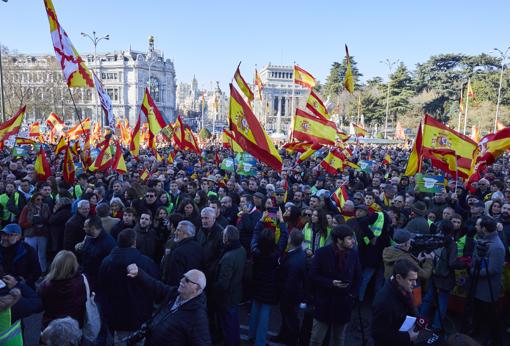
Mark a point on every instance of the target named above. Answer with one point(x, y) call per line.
point(207, 39)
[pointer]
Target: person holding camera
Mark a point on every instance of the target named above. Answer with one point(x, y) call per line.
point(443, 276)
point(392, 304)
point(488, 263)
point(182, 317)
point(336, 277)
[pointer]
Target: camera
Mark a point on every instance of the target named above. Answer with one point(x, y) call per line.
point(137, 336)
point(428, 242)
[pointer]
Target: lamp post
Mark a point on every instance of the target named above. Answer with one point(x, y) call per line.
point(390, 67)
point(95, 41)
point(503, 58)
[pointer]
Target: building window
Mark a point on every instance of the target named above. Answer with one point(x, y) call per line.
point(113, 93)
point(88, 95)
point(282, 107)
point(155, 89)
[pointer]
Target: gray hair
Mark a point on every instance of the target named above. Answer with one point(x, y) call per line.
point(231, 233)
point(117, 200)
point(209, 210)
point(62, 332)
point(83, 203)
point(100, 190)
point(187, 227)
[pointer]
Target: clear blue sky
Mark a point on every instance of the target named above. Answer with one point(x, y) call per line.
point(209, 38)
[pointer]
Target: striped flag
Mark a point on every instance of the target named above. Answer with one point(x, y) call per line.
point(348, 80)
point(243, 85)
point(303, 78)
point(333, 163)
point(387, 159)
point(316, 106)
point(12, 126)
point(313, 129)
point(54, 122)
point(359, 131)
point(68, 169)
point(340, 196)
point(42, 166)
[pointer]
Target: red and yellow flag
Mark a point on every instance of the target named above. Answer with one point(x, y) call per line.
point(229, 141)
point(359, 131)
point(316, 106)
point(12, 126)
point(134, 145)
point(445, 160)
point(54, 122)
point(75, 71)
point(340, 196)
point(61, 145)
point(249, 133)
point(300, 147)
point(80, 129)
point(258, 83)
point(313, 129)
point(68, 169)
point(243, 85)
point(470, 92)
point(105, 158)
point(42, 166)
point(145, 175)
point(387, 159)
point(436, 135)
point(24, 141)
point(313, 148)
point(154, 118)
point(415, 159)
point(493, 146)
point(35, 131)
point(333, 163)
point(119, 164)
point(303, 78)
point(348, 80)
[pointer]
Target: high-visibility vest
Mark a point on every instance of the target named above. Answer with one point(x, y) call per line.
point(376, 227)
point(308, 236)
point(461, 244)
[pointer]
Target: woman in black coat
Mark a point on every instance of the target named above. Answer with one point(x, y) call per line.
point(57, 224)
point(265, 284)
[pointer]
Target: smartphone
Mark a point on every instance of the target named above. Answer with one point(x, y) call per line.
point(272, 212)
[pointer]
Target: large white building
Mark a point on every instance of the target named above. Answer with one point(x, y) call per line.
point(124, 74)
point(280, 97)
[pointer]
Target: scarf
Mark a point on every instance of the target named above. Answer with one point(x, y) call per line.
point(408, 296)
point(341, 257)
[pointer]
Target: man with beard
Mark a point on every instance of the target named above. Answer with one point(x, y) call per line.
point(229, 210)
point(147, 240)
point(128, 221)
point(150, 202)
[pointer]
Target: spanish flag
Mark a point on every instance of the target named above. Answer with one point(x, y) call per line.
point(105, 158)
point(243, 85)
point(178, 132)
point(54, 122)
point(12, 126)
point(68, 171)
point(300, 147)
point(82, 128)
point(445, 160)
point(249, 134)
point(387, 159)
point(333, 163)
point(24, 141)
point(359, 131)
point(312, 129)
point(415, 159)
point(313, 148)
point(75, 71)
point(303, 78)
point(230, 142)
point(42, 166)
point(154, 117)
point(436, 135)
point(134, 145)
point(348, 80)
point(475, 134)
point(258, 82)
point(61, 145)
point(145, 175)
point(493, 146)
point(316, 106)
point(340, 196)
point(119, 164)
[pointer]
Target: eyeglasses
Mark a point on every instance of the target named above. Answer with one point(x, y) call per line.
point(150, 196)
point(187, 280)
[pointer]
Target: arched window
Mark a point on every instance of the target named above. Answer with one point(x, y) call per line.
point(155, 89)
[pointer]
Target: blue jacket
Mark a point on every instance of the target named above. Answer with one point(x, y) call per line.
point(291, 277)
point(126, 305)
point(92, 254)
point(21, 260)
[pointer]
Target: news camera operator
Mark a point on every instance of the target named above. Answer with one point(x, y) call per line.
point(486, 271)
point(443, 276)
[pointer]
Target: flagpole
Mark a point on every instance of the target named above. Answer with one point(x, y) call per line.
point(460, 112)
point(77, 114)
point(293, 105)
point(467, 106)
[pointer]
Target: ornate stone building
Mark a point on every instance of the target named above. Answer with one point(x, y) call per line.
point(38, 81)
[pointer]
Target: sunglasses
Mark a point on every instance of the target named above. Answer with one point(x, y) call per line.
point(150, 196)
point(186, 280)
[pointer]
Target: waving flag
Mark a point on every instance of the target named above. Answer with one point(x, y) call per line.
point(359, 131)
point(68, 171)
point(119, 164)
point(42, 166)
point(258, 82)
point(106, 102)
point(24, 141)
point(243, 85)
point(154, 118)
point(414, 162)
point(76, 73)
point(54, 122)
point(313, 129)
point(340, 196)
point(333, 163)
point(134, 145)
point(316, 106)
point(249, 134)
point(229, 141)
point(348, 80)
point(11, 126)
point(80, 129)
point(303, 78)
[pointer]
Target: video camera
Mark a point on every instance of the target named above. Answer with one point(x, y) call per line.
point(428, 242)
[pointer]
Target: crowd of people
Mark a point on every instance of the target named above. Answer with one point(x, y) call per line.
point(172, 259)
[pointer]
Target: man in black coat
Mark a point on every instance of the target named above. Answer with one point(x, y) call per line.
point(336, 277)
point(95, 247)
point(125, 304)
point(392, 304)
point(17, 258)
point(182, 319)
point(73, 232)
point(128, 221)
point(290, 285)
point(210, 237)
point(187, 254)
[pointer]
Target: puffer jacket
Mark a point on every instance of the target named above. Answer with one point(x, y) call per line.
point(391, 254)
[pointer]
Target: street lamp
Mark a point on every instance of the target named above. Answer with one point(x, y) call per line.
point(503, 58)
point(95, 41)
point(390, 67)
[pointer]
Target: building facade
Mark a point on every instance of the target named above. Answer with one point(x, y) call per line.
point(124, 74)
point(280, 98)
